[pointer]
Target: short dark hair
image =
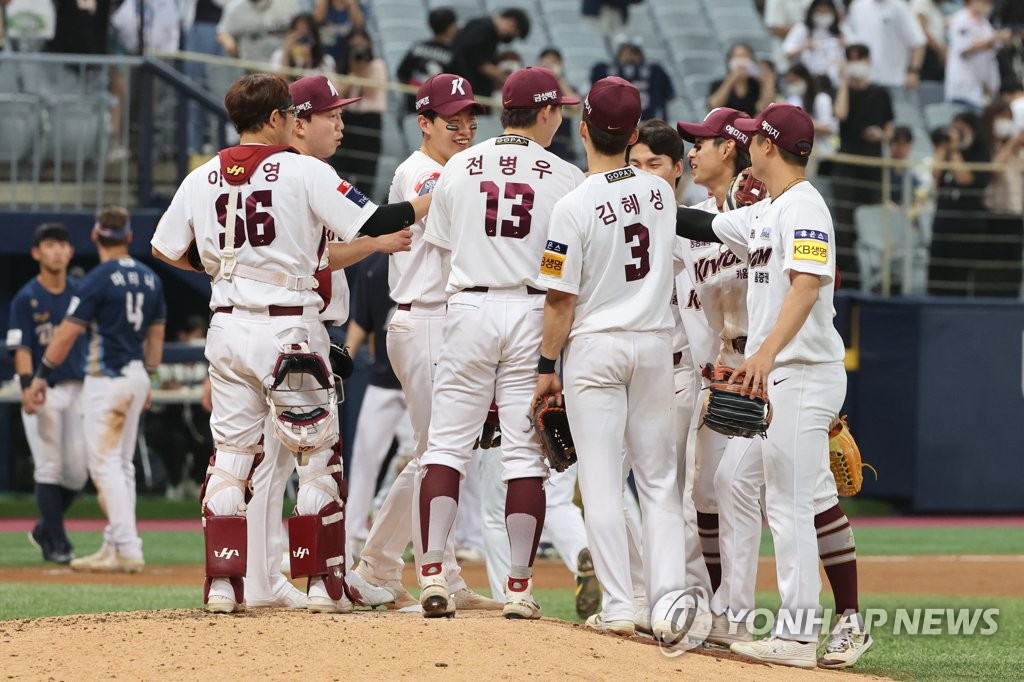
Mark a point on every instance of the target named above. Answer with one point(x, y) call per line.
point(519, 118)
point(114, 219)
point(521, 18)
point(787, 156)
point(554, 51)
point(441, 19)
point(57, 232)
point(857, 51)
point(902, 134)
point(661, 139)
point(609, 144)
point(740, 160)
point(253, 98)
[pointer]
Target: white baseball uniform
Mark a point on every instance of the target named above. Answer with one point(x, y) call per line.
point(791, 234)
point(301, 194)
point(611, 244)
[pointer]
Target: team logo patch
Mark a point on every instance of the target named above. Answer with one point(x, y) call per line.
point(810, 245)
point(553, 260)
point(621, 174)
point(352, 193)
point(235, 170)
point(766, 232)
point(512, 139)
point(427, 183)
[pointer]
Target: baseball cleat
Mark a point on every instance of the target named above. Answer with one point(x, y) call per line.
point(217, 603)
point(293, 598)
point(642, 616)
point(725, 632)
point(322, 604)
point(55, 551)
point(519, 603)
point(107, 560)
point(434, 597)
point(468, 600)
point(365, 589)
point(623, 628)
point(847, 643)
point(588, 589)
point(778, 651)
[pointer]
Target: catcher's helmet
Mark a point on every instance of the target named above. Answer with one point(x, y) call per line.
point(302, 393)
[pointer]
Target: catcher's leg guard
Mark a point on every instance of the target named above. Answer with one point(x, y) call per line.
point(224, 494)
point(316, 530)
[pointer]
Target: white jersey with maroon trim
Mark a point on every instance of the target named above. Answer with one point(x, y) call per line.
point(720, 278)
point(792, 233)
point(337, 309)
point(283, 209)
point(610, 243)
point(492, 207)
point(420, 274)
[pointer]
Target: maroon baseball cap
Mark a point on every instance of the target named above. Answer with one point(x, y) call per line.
point(613, 105)
point(533, 88)
point(315, 95)
point(786, 125)
point(718, 123)
point(447, 94)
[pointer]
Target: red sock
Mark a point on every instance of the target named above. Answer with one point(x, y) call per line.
point(525, 504)
point(439, 482)
point(707, 528)
point(838, 553)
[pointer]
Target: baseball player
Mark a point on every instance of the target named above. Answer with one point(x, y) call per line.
point(267, 345)
point(318, 133)
point(447, 118)
point(493, 203)
point(794, 353)
point(730, 474)
point(121, 304)
point(54, 429)
point(608, 268)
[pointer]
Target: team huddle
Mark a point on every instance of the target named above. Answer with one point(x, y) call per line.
point(518, 279)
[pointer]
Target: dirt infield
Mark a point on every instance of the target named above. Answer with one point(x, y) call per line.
point(994, 576)
point(194, 645)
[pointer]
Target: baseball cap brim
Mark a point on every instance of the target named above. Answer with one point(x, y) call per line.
point(569, 101)
point(691, 131)
point(748, 125)
point(338, 102)
point(454, 107)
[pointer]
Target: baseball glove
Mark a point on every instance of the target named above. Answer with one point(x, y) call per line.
point(552, 426)
point(731, 413)
point(341, 361)
point(490, 435)
point(844, 458)
point(744, 191)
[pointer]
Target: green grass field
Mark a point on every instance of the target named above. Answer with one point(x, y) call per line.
point(923, 657)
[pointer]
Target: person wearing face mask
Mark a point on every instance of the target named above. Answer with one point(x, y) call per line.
point(475, 48)
point(960, 228)
point(650, 78)
point(972, 72)
point(817, 43)
point(1004, 198)
point(748, 87)
point(302, 48)
point(801, 89)
point(865, 114)
point(894, 36)
point(357, 160)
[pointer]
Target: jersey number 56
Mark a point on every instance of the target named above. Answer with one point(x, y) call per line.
point(251, 221)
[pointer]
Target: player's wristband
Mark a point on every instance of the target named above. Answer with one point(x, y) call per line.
point(545, 365)
point(44, 370)
point(26, 380)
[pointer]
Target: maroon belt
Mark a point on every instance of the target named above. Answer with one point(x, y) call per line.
point(676, 357)
point(530, 290)
point(272, 310)
point(405, 306)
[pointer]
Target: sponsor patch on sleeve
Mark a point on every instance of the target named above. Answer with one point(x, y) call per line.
point(553, 260)
point(620, 174)
point(352, 193)
point(13, 337)
point(810, 245)
point(73, 305)
point(425, 185)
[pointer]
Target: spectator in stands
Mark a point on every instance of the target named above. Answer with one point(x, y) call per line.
point(933, 22)
point(865, 115)
point(610, 16)
point(894, 37)
point(429, 57)
point(972, 72)
point(475, 48)
point(650, 78)
point(199, 19)
point(781, 16)
point(302, 48)
point(338, 20)
point(900, 146)
point(960, 227)
point(748, 86)
point(1004, 198)
point(80, 27)
point(1011, 14)
point(817, 42)
point(357, 159)
point(802, 89)
point(253, 29)
point(562, 145)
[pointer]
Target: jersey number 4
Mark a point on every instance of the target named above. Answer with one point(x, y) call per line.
point(133, 302)
point(638, 238)
point(519, 228)
point(251, 221)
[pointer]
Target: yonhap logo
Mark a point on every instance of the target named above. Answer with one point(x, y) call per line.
point(681, 620)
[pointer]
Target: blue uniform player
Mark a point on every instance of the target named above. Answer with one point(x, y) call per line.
point(120, 304)
point(54, 429)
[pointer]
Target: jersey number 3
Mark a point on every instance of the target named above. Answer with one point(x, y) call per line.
point(638, 238)
point(252, 221)
point(519, 228)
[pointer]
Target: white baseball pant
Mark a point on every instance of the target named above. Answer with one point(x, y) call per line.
point(111, 408)
point(687, 386)
point(56, 439)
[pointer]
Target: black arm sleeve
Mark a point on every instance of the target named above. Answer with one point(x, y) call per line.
point(389, 218)
point(694, 223)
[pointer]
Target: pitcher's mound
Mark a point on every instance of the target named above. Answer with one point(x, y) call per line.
point(279, 644)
